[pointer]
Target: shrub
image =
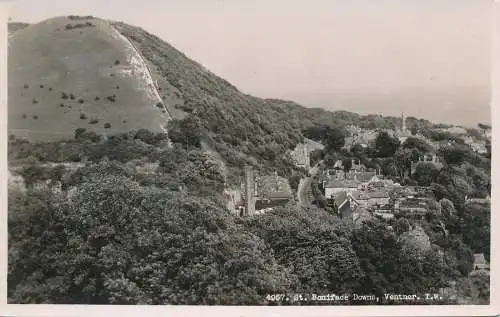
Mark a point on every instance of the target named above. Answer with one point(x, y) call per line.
point(64, 96)
point(80, 101)
point(69, 27)
point(72, 97)
point(61, 105)
point(35, 117)
point(124, 121)
point(117, 87)
point(35, 101)
point(26, 86)
point(79, 132)
point(107, 125)
point(97, 98)
point(50, 89)
point(94, 121)
point(159, 105)
point(24, 116)
point(83, 116)
point(111, 98)
point(41, 86)
point(12, 137)
point(117, 62)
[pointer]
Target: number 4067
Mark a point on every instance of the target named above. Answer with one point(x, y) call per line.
point(275, 297)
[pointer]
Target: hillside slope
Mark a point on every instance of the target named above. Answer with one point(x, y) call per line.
point(67, 73)
point(13, 27)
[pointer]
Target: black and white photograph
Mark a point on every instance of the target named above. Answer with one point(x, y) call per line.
point(249, 153)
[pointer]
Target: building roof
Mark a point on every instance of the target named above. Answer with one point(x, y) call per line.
point(479, 258)
point(378, 194)
point(339, 198)
point(272, 185)
point(338, 164)
point(299, 154)
point(360, 195)
point(337, 183)
point(365, 176)
point(313, 145)
point(377, 184)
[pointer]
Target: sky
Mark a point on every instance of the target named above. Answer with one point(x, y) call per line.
point(359, 55)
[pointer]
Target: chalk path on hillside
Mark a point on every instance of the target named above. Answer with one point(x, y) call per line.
point(141, 67)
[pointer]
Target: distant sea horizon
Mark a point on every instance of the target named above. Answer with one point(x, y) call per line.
point(462, 105)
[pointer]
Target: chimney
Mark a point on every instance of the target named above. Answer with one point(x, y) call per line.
point(249, 191)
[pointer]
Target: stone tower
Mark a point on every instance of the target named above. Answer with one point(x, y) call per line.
point(403, 122)
point(249, 191)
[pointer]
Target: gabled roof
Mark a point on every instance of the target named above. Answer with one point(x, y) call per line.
point(338, 164)
point(340, 198)
point(336, 183)
point(365, 176)
point(378, 194)
point(479, 258)
point(360, 195)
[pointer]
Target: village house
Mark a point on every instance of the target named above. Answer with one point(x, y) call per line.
point(427, 158)
point(301, 153)
point(480, 262)
point(263, 192)
point(378, 198)
point(482, 201)
point(362, 137)
point(334, 186)
point(343, 204)
point(301, 157)
point(371, 198)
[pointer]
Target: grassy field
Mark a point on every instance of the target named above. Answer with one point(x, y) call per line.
point(66, 74)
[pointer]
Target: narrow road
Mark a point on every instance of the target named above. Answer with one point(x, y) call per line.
point(304, 188)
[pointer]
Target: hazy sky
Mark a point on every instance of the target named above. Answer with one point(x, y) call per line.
point(294, 48)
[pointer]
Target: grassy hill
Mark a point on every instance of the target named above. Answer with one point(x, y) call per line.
point(67, 73)
point(13, 27)
point(64, 71)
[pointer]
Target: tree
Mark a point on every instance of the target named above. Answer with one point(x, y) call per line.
point(314, 244)
point(115, 242)
point(335, 139)
point(187, 131)
point(415, 143)
point(347, 164)
point(386, 145)
point(425, 173)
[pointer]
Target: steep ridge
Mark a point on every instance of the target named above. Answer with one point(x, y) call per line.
point(206, 142)
point(242, 128)
point(67, 73)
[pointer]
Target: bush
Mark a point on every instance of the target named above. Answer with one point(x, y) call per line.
point(80, 101)
point(79, 132)
point(83, 116)
point(117, 62)
point(26, 86)
point(41, 86)
point(72, 97)
point(111, 98)
point(35, 117)
point(24, 116)
point(61, 105)
point(35, 101)
point(64, 96)
point(159, 105)
point(97, 98)
point(94, 121)
point(107, 125)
